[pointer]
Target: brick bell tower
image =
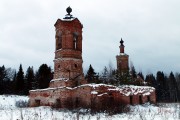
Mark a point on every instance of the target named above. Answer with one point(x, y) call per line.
point(122, 59)
point(68, 52)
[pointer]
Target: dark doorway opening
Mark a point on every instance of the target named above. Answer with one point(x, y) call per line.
point(140, 99)
point(148, 98)
point(58, 103)
point(131, 100)
point(77, 102)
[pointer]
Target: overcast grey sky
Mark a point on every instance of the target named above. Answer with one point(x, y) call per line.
point(150, 29)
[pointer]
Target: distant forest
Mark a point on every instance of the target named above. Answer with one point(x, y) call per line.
point(12, 82)
point(20, 82)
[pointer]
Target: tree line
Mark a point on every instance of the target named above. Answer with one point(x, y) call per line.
point(167, 85)
point(20, 82)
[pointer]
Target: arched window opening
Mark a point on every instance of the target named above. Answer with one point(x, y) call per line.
point(75, 65)
point(75, 40)
point(59, 40)
point(59, 66)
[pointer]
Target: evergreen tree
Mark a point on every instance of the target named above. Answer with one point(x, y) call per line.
point(173, 89)
point(20, 81)
point(167, 96)
point(8, 82)
point(161, 86)
point(133, 72)
point(105, 75)
point(123, 78)
point(35, 83)
point(91, 75)
point(151, 81)
point(2, 79)
point(43, 76)
point(7, 87)
point(141, 75)
point(29, 79)
point(105, 72)
point(10, 73)
point(14, 91)
point(110, 69)
point(178, 85)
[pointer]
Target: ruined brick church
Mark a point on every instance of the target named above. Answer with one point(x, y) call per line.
point(69, 87)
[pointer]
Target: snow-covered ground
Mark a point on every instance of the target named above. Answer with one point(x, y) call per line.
point(9, 101)
point(9, 111)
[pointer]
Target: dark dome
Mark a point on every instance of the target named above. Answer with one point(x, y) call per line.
point(69, 10)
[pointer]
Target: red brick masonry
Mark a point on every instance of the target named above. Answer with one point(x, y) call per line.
point(68, 88)
point(89, 94)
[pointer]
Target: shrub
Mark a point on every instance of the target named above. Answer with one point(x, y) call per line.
point(21, 103)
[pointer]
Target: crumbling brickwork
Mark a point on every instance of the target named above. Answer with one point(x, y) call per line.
point(69, 88)
point(88, 95)
point(68, 55)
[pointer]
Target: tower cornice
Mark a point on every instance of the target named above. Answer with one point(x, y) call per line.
point(74, 21)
